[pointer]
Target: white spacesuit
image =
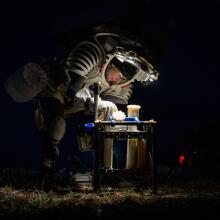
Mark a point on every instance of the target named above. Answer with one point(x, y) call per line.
point(67, 88)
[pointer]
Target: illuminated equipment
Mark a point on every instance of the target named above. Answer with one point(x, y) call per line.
point(132, 144)
point(145, 131)
point(182, 159)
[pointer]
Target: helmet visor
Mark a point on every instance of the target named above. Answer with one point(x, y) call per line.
point(128, 70)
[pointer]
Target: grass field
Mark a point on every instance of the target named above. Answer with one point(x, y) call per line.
point(177, 197)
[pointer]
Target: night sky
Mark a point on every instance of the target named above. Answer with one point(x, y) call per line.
point(184, 42)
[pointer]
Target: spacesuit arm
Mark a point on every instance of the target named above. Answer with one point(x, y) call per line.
point(83, 100)
point(118, 94)
point(84, 58)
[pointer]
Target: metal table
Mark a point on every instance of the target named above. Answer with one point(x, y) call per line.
point(146, 130)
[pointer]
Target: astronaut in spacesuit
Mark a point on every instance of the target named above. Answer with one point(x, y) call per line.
point(105, 58)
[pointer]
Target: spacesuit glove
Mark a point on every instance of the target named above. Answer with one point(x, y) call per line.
point(107, 107)
point(103, 106)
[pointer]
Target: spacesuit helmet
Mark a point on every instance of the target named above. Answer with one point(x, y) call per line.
point(127, 70)
point(133, 67)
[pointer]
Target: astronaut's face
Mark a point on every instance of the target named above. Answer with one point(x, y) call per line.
point(114, 76)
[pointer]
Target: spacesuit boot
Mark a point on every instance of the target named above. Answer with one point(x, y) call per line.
point(47, 169)
point(47, 177)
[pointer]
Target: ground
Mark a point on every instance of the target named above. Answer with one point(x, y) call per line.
point(175, 198)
